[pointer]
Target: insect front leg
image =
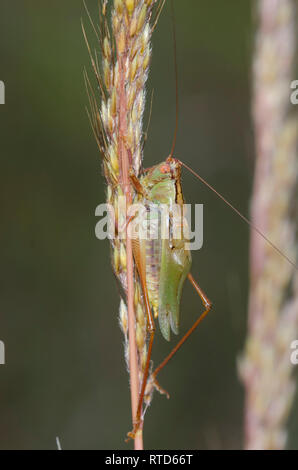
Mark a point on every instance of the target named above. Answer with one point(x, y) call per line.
point(208, 305)
point(139, 188)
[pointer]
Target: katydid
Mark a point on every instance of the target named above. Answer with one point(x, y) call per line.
point(164, 264)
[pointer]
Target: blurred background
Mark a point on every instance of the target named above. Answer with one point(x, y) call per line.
point(65, 374)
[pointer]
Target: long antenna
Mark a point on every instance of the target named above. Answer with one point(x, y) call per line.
point(176, 76)
point(251, 224)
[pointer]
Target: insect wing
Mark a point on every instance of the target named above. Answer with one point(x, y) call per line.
point(175, 265)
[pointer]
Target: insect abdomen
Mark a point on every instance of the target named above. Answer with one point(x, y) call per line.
point(153, 257)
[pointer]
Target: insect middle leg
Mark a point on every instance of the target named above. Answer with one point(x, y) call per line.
point(208, 305)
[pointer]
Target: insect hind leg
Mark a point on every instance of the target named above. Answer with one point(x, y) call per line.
point(208, 306)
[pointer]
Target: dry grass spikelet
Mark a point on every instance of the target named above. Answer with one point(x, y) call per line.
point(124, 38)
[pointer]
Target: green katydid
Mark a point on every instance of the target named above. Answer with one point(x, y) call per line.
point(163, 265)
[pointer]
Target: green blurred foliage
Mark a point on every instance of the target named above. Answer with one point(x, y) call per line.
point(65, 374)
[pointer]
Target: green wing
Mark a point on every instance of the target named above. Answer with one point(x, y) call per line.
point(175, 265)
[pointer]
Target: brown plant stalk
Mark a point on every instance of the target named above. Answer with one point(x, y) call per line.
point(125, 166)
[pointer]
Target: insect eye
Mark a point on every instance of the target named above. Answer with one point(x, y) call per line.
point(165, 168)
